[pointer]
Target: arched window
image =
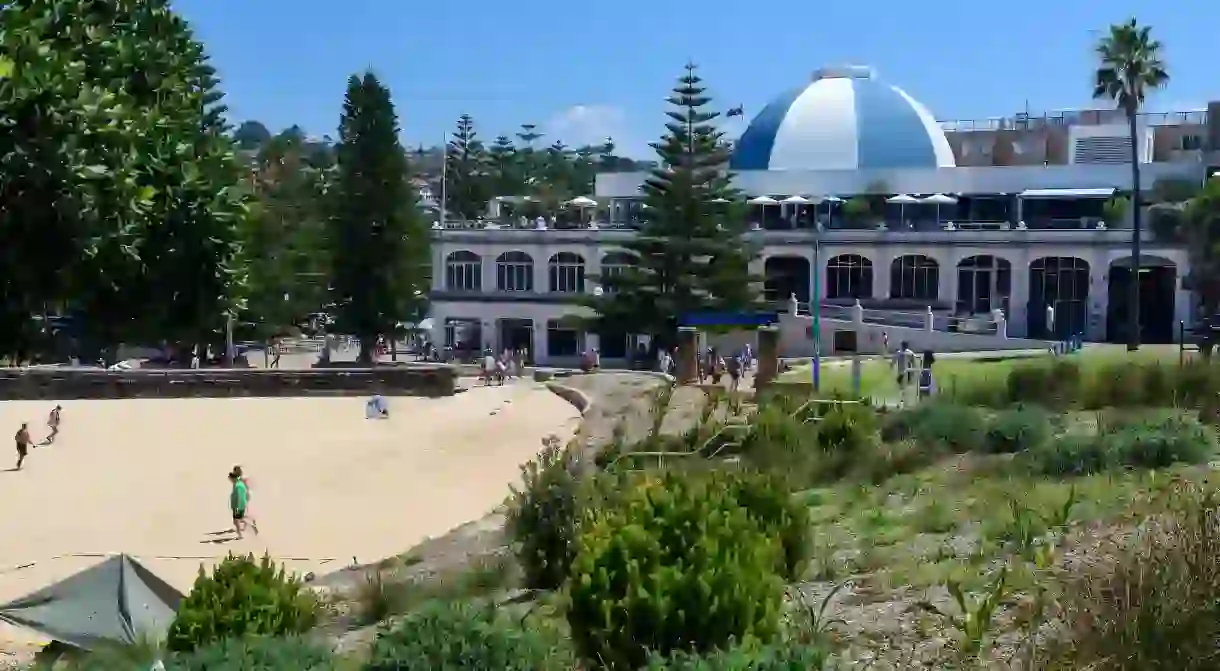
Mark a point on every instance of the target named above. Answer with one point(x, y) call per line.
point(984, 283)
point(463, 272)
point(567, 271)
point(849, 276)
point(613, 265)
point(785, 276)
point(915, 277)
point(515, 272)
point(1060, 283)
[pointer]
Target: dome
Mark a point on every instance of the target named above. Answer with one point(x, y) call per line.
point(845, 119)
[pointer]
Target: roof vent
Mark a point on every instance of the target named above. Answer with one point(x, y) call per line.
point(845, 72)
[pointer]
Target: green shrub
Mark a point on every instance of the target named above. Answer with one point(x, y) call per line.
point(445, 636)
point(242, 597)
point(1029, 382)
point(779, 515)
point(940, 425)
point(543, 514)
point(777, 442)
point(675, 563)
point(777, 657)
point(897, 458)
point(257, 654)
point(1070, 455)
point(1017, 429)
point(1116, 385)
point(1157, 442)
point(851, 428)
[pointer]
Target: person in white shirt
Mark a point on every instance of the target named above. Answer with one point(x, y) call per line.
point(377, 408)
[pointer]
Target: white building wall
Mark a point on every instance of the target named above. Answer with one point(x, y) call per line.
point(948, 249)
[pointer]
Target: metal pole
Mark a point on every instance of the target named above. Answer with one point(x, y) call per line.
point(816, 309)
point(1181, 343)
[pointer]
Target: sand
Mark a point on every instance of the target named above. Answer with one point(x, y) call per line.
point(147, 477)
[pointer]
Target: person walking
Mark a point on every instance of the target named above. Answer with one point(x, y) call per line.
point(239, 500)
point(53, 421)
point(22, 439)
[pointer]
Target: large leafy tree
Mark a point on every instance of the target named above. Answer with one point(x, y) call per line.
point(151, 168)
point(689, 254)
point(503, 166)
point(379, 267)
point(284, 241)
point(466, 160)
point(1129, 67)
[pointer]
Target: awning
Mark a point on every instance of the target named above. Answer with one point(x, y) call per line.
point(1050, 194)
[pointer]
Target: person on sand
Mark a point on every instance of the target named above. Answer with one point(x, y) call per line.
point(377, 408)
point(53, 424)
point(239, 498)
point(236, 475)
point(23, 443)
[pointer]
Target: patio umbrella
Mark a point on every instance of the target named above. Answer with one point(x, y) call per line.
point(796, 202)
point(830, 206)
point(762, 202)
point(939, 199)
point(902, 200)
point(582, 202)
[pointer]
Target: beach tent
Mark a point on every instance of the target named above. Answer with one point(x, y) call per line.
point(117, 600)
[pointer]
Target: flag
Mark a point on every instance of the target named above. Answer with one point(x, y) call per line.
point(735, 111)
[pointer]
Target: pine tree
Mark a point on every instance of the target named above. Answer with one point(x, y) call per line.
point(467, 191)
point(689, 254)
point(527, 156)
point(502, 163)
point(378, 240)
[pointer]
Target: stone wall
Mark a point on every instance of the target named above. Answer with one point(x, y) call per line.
point(76, 383)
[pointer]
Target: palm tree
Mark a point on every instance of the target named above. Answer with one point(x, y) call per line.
point(1129, 67)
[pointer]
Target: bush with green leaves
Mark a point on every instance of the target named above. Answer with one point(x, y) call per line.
point(258, 653)
point(779, 515)
point(674, 562)
point(1057, 383)
point(1017, 429)
point(776, 657)
point(543, 515)
point(939, 425)
point(1161, 440)
point(242, 597)
point(1072, 454)
point(447, 636)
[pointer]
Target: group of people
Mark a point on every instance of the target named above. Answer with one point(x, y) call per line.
point(510, 363)
point(713, 365)
point(911, 369)
point(25, 442)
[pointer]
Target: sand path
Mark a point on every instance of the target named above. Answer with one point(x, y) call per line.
point(147, 477)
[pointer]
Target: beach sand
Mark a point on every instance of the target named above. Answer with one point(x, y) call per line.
point(147, 477)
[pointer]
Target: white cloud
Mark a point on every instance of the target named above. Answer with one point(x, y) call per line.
point(587, 125)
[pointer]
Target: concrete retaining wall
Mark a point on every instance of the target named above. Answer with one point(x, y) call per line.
point(75, 383)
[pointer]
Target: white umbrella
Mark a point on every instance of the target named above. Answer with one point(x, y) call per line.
point(762, 200)
point(902, 200)
point(581, 201)
point(796, 202)
point(939, 199)
point(720, 200)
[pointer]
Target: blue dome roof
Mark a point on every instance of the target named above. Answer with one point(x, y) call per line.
point(845, 119)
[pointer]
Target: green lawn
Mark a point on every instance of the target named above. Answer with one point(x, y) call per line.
point(955, 372)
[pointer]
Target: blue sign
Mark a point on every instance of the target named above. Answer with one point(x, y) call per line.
point(729, 318)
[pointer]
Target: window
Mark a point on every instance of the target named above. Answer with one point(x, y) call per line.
point(464, 272)
point(515, 272)
point(613, 265)
point(984, 283)
point(849, 276)
point(567, 271)
point(562, 338)
point(914, 277)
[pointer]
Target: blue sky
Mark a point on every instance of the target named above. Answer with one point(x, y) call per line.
point(584, 72)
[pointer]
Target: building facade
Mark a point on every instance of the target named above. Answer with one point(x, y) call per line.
point(852, 182)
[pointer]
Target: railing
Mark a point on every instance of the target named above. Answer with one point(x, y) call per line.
point(974, 324)
point(1072, 118)
point(878, 226)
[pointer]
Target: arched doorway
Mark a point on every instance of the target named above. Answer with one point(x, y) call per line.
point(915, 277)
point(1158, 278)
point(1061, 283)
point(984, 283)
point(849, 276)
point(785, 276)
